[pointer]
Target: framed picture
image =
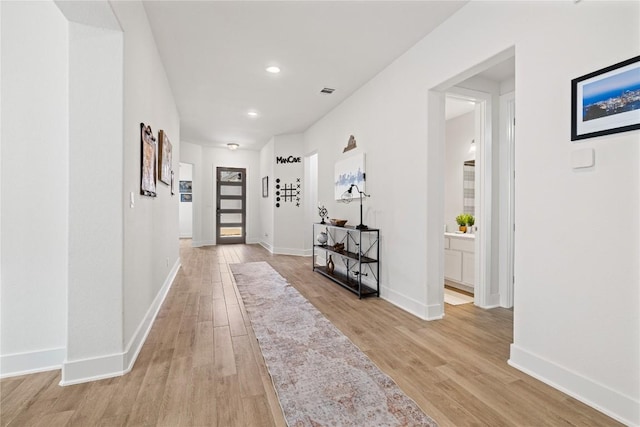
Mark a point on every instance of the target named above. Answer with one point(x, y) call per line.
point(148, 155)
point(265, 186)
point(349, 171)
point(165, 156)
point(185, 186)
point(606, 101)
point(186, 197)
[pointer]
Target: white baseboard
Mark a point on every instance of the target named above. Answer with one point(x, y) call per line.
point(600, 397)
point(12, 365)
point(267, 246)
point(410, 305)
point(285, 251)
point(140, 335)
point(200, 243)
point(117, 364)
point(289, 251)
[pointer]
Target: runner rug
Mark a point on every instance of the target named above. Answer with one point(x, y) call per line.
point(320, 376)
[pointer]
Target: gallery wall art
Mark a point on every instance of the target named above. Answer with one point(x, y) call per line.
point(148, 156)
point(349, 171)
point(165, 156)
point(606, 101)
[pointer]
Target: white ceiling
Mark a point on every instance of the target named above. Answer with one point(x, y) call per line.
point(215, 54)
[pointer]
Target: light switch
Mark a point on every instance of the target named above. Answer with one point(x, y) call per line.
point(583, 158)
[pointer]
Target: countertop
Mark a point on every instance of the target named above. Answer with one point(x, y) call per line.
point(467, 236)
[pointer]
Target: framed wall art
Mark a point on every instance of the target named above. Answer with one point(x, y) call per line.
point(165, 156)
point(349, 171)
point(606, 101)
point(185, 186)
point(265, 186)
point(148, 155)
point(186, 197)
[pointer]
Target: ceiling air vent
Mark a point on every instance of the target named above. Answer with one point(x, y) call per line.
point(327, 90)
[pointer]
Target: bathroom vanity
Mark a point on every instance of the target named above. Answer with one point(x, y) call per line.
point(459, 260)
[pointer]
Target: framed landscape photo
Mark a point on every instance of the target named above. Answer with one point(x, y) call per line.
point(606, 101)
point(148, 153)
point(186, 197)
point(185, 186)
point(165, 157)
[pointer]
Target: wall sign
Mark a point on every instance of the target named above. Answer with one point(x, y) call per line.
point(288, 192)
point(288, 160)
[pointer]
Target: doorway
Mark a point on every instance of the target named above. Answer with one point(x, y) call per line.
point(483, 84)
point(231, 212)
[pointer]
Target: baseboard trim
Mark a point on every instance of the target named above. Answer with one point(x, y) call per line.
point(410, 305)
point(13, 365)
point(267, 246)
point(118, 364)
point(200, 243)
point(140, 336)
point(600, 397)
point(289, 251)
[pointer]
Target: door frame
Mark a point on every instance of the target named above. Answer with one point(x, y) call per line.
point(219, 211)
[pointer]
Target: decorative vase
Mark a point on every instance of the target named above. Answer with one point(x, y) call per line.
point(463, 228)
point(330, 265)
point(322, 238)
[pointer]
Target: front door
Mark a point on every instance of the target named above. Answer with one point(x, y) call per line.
point(231, 205)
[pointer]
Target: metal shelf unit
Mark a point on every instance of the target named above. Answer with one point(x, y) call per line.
point(360, 258)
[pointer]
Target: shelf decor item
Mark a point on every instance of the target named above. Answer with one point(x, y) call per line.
point(322, 238)
point(606, 101)
point(322, 211)
point(330, 265)
point(338, 222)
point(348, 196)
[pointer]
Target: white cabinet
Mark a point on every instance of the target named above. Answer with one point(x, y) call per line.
point(459, 258)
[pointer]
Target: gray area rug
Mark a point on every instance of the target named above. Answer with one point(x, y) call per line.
point(321, 377)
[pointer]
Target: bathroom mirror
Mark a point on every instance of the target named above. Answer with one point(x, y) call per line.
point(469, 187)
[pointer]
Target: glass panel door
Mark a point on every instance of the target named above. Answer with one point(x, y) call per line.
point(231, 205)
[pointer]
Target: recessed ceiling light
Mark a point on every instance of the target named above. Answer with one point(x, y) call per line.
point(233, 146)
point(252, 114)
point(273, 69)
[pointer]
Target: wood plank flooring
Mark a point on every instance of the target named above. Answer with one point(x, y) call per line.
point(201, 364)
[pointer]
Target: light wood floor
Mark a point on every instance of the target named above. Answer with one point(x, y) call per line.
point(201, 365)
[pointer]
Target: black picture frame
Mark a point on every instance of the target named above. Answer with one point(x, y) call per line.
point(148, 161)
point(186, 197)
point(185, 186)
point(606, 101)
point(265, 186)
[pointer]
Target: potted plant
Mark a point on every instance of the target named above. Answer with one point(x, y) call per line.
point(470, 221)
point(462, 222)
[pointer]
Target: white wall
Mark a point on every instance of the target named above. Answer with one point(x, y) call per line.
point(459, 133)
point(94, 290)
point(289, 225)
point(267, 167)
point(72, 161)
point(34, 134)
point(186, 208)
point(151, 227)
point(205, 160)
point(576, 322)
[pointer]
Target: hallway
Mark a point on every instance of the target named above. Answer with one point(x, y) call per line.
point(201, 366)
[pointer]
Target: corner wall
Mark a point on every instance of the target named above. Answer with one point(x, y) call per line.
point(576, 315)
point(35, 144)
